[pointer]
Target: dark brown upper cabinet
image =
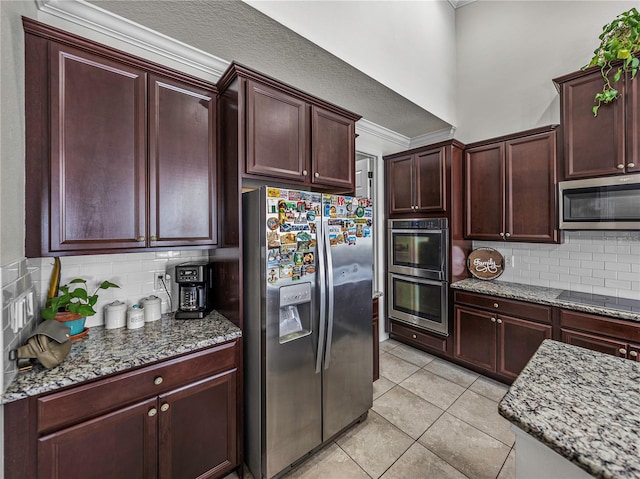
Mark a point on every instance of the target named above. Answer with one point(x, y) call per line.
point(608, 144)
point(511, 191)
point(283, 135)
point(419, 181)
point(120, 152)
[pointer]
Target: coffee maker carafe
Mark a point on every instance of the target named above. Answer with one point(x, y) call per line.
point(195, 290)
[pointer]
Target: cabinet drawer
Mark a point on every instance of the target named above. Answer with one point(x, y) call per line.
point(507, 306)
point(415, 336)
point(89, 400)
point(627, 330)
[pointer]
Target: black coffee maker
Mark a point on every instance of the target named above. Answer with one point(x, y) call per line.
point(195, 290)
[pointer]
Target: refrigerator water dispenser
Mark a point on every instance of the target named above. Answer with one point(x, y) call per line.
point(295, 312)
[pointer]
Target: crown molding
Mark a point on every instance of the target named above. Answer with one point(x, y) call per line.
point(460, 3)
point(433, 137)
point(115, 26)
point(364, 126)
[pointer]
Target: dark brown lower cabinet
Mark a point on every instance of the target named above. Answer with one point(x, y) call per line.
point(119, 444)
point(608, 335)
point(494, 342)
point(171, 420)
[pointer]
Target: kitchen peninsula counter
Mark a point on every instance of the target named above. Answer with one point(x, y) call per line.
point(107, 351)
point(581, 404)
point(540, 295)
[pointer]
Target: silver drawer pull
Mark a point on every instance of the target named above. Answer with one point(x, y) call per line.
point(493, 320)
point(622, 351)
point(631, 165)
point(633, 354)
point(620, 167)
point(499, 321)
point(152, 412)
point(164, 407)
point(414, 336)
point(496, 305)
point(158, 381)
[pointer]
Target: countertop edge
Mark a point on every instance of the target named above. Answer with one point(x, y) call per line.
point(538, 295)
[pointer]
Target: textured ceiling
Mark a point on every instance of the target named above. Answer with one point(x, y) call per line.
point(232, 30)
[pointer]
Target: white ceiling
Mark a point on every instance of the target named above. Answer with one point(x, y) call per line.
point(235, 31)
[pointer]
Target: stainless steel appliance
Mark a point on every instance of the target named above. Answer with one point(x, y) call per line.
point(418, 258)
point(195, 286)
point(609, 203)
point(307, 314)
point(418, 247)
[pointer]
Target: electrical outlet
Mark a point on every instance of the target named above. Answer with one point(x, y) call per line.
point(159, 278)
point(510, 261)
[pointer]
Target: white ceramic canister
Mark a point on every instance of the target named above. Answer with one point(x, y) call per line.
point(115, 315)
point(151, 306)
point(135, 317)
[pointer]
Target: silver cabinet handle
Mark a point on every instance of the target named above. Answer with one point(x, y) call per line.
point(499, 321)
point(622, 351)
point(152, 412)
point(304, 172)
point(316, 174)
point(502, 234)
point(493, 320)
point(620, 166)
point(141, 238)
point(496, 305)
point(508, 235)
point(158, 380)
point(414, 336)
point(164, 407)
point(631, 165)
point(633, 354)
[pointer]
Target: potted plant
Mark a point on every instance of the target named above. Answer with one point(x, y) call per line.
point(72, 306)
point(619, 42)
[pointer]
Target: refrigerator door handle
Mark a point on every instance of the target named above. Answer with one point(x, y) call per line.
point(322, 273)
point(327, 248)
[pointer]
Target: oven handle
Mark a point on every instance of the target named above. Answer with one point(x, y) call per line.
point(415, 279)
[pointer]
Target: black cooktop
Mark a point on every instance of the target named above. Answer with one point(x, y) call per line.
point(602, 301)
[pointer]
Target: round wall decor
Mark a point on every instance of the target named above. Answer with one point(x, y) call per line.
point(485, 263)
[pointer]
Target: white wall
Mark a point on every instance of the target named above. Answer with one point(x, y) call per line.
point(507, 53)
point(407, 46)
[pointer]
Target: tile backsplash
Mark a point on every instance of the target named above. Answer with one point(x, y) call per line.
point(598, 262)
point(17, 280)
point(133, 272)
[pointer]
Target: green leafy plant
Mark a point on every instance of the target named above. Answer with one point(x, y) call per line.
point(619, 40)
point(76, 300)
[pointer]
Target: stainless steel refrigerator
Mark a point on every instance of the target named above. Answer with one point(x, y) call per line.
point(307, 322)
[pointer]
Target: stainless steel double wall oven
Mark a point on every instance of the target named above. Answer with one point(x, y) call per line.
point(418, 258)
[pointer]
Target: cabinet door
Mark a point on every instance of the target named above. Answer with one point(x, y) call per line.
point(593, 146)
point(401, 178)
point(475, 337)
point(182, 167)
point(277, 138)
point(430, 184)
point(98, 152)
point(518, 340)
point(333, 149)
point(484, 198)
point(594, 342)
point(197, 428)
point(530, 169)
point(632, 128)
point(116, 445)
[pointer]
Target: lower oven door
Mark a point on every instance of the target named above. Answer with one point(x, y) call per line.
point(420, 302)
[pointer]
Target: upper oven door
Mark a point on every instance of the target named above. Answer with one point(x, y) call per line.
point(416, 252)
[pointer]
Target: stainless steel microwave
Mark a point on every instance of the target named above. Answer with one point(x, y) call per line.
point(609, 203)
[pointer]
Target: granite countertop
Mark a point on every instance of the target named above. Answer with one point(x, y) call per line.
point(107, 351)
point(540, 295)
point(582, 404)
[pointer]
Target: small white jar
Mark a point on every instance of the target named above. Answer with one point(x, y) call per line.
point(135, 317)
point(115, 315)
point(151, 306)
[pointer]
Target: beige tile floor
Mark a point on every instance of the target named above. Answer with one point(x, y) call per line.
point(430, 419)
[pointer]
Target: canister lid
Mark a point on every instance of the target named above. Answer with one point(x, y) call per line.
point(151, 300)
point(116, 306)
